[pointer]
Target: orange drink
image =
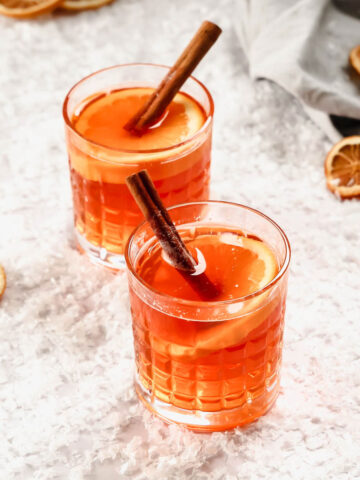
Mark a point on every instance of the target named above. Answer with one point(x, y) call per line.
point(175, 151)
point(210, 365)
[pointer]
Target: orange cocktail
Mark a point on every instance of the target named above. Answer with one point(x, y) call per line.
point(175, 151)
point(210, 365)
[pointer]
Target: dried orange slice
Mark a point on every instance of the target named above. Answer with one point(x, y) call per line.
point(26, 8)
point(342, 167)
point(77, 5)
point(354, 58)
point(2, 281)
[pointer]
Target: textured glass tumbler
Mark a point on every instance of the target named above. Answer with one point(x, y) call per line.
point(105, 212)
point(209, 365)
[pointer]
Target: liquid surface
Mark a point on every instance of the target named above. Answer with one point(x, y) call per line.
point(238, 265)
point(102, 119)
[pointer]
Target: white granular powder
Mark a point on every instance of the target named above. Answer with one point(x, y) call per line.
point(67, 407)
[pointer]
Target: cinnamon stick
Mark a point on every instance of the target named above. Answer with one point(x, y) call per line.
point(200, 44)
point(149, 202)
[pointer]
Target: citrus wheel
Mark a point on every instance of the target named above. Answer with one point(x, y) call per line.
point(2, 281)
point(77, 5)
point(256, 267)
point(354, 58)
point(26, 8)
point(99, 121)
point(342, 167)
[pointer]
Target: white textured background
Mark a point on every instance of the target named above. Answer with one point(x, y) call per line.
point(67, 407)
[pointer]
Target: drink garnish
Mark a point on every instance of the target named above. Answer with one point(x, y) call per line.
point(152, 110)
point(149, 202)
point(99, 120)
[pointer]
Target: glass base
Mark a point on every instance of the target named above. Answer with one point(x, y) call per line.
point(200, 421)
point(99, 255)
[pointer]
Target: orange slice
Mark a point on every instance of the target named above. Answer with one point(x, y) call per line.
point(342, 168)
point(240, 265)
point(100, 119)
point(244, 317)
point(2, 281)
point(77, 5)
point(257, 262)
point(26, 8)
point(354, 58)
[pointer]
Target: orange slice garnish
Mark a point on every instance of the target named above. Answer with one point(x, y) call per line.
point(342, 168)
point(354, 58)
point(256, 262)
point(101, 120)
point(262, 268)
point(77, 5)
point(2, 281)
point(26, 8)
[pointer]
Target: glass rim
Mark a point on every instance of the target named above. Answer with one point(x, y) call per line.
point(203, 128)
point(214, 303)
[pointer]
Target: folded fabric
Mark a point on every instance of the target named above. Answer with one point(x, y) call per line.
point(304, 45)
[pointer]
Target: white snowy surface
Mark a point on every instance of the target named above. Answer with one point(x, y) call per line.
point(67, 406)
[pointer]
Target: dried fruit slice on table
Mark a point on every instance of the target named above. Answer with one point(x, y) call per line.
point(354, 58)
point(2, 281)
point(76, 5)
point(26, 8)
point(342, 167)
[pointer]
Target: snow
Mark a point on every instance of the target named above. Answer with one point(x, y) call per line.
point(68, 409)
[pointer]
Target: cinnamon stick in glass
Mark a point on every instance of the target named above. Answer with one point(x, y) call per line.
point(200, 44)
point(149, 202)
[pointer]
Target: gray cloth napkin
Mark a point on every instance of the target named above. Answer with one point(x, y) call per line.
point(304, 45)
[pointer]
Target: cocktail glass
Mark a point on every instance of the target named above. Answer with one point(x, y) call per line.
point(209, 365)
point(105, 213)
